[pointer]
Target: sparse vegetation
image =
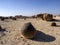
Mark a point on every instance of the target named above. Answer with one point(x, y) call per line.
point(14, 18)
point(2, 19)
point(10, 17)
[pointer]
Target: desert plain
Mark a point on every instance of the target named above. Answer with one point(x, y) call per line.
point(10, 34)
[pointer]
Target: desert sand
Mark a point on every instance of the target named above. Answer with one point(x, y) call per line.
point(10, 34)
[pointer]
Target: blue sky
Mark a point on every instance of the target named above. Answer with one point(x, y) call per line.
point(28, 7)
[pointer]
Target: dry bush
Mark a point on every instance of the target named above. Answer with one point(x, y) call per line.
point(18, 16)
point(2, 18)
point(6, 17)
point(25, 18)
point(10, 17)
point(14, 18)
point(34, 16)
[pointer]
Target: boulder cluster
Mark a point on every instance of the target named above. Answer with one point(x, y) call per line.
point(47, 17)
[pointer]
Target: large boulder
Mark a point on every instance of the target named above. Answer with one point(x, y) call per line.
point(48, 17)
point(40, 16)
point(28, 31)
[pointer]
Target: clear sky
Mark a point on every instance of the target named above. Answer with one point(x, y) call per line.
point(28, 7)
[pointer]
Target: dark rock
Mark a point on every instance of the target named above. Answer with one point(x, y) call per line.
point(28, 31)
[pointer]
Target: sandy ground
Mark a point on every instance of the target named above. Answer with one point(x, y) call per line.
point(46, 34)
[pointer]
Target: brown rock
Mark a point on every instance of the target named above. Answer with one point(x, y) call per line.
point(28, 31)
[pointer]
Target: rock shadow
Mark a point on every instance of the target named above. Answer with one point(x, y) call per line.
point(54, 20)
point(42, 37)
point(56, 26)
point(2, 32)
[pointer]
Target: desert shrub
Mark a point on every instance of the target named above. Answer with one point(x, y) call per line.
point(18, 16)
point(25, 18)
point(6, 17)
point(2, 19)
point(13, 18)
point(10, 17)
point(34, 16)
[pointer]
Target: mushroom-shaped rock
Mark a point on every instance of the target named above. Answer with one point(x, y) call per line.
point(28, 31)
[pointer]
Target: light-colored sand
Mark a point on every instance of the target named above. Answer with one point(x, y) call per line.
point(46, 34)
